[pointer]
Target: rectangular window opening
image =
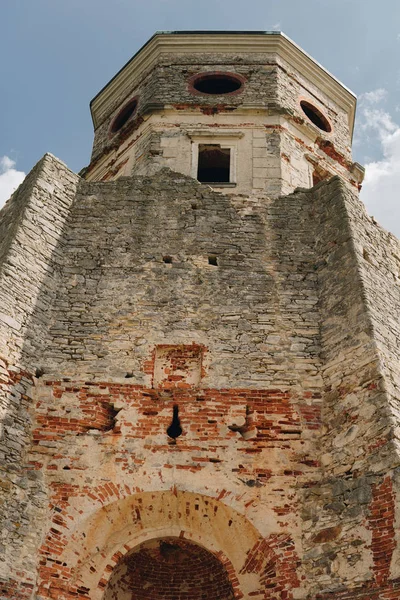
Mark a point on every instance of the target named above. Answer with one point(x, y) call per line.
point(214, 164)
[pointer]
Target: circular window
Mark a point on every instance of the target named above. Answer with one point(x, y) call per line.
point(124, 115)
point(216, 84)
point(315, 116)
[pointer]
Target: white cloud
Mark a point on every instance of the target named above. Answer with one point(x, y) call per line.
point(277, 26)
point(373, 97)
point(381, 187)
point(378, 121)
point(10, 178)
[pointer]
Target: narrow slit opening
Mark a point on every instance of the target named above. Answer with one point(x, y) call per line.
point(175, 429)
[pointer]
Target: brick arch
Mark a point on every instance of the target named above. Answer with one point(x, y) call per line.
point(168, 533)
point(83, 561)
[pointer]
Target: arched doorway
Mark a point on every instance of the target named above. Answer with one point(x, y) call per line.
point(169, 569)
point(92, 563)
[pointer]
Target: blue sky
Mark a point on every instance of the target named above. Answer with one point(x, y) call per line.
point(57, 54)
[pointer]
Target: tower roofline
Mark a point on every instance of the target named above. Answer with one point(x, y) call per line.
point(187, 41)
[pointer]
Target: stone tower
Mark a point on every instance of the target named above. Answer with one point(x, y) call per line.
point(199, 343)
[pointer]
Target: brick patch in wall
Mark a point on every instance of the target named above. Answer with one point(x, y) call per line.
point(177, 366)
point(381, 523)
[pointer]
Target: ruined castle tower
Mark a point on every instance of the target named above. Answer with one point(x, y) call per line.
point(199, 343)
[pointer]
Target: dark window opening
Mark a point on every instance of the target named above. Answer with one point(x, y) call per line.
point(124, 116)
point(315, 116)
point(175, 429)
point(212, 260)
point(216, 84)
point(167, 259)
point(214, 164)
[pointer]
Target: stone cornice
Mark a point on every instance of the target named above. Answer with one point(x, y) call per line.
point(222, 43)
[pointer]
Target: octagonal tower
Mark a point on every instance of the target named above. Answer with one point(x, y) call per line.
point(241, 111)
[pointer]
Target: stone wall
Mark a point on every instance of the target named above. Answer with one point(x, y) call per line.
point(174, 295)
point(378, 252)
point(206, 367)
point(118, 297)
point(350, 517)
point(30, 228)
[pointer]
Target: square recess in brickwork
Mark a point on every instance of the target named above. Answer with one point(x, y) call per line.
point(178, 366)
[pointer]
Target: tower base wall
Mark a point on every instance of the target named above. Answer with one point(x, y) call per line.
point(257, 319)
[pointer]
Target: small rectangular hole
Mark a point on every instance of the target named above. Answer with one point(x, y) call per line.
point(213, 260)
point(167, 259)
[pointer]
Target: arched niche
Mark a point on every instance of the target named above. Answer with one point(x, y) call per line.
point(171, 568)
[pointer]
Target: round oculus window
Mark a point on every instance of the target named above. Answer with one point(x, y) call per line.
point(315, 116)
point(216, 84)
point(124, 115)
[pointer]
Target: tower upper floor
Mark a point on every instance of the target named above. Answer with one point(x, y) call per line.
point(237, 110)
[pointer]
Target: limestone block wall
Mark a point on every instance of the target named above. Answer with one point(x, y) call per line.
point(167, 84)
point(292, 87)
point(351, 518)
point(172, 294)
point(137, 273)
point(30, 227)
point(378, 252)
point(31, 224)
point(379, 257)
point(171, 140)
point(270, 154)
